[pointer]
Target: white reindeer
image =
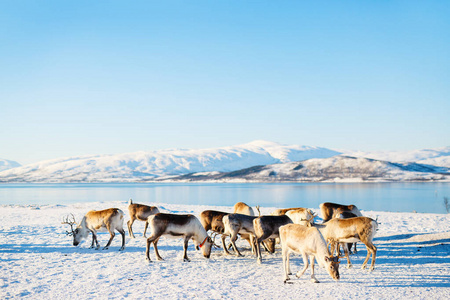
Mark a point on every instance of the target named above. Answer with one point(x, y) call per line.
point(186, 226)
point(308, 242)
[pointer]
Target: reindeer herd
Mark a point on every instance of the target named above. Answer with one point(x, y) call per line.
point(293, 228)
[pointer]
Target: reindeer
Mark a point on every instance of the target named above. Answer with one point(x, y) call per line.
point(110, 219)
point(359, 229)
point(342, 213)
point(186, 226)
point(139, 212)
point(213, 220)
point(327, 209)
point(308, 242)
point(238, 224)
point(244, 209)
point(267, 227)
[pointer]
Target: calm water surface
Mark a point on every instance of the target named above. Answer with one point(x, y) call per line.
point(404, 197)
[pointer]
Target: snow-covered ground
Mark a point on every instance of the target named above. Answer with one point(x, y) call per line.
point(37, 261)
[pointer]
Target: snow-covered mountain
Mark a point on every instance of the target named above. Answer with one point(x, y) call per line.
point(140, 166)
point(258, 160)
point(337, 169)
point(8, 164)
point(436, 157)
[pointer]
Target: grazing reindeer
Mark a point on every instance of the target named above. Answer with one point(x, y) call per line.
point(186, 226)
point(139, 212)
point(327, 209)
point(213, 220)
point(267, 227)
point(110, 219)
point(359, 229)
point(308, 242)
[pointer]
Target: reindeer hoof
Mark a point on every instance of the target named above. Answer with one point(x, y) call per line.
point(363, 267)
point(121, 249)
point(186, 260)
point(314, 280)
point(350, 266)
point(287, 281)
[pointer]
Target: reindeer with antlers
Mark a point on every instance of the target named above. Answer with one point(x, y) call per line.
point(110, 219)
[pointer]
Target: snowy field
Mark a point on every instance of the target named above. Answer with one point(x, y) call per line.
point(38, 261)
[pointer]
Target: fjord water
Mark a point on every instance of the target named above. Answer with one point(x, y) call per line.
point(396, 197)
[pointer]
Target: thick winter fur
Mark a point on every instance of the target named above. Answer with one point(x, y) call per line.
point(109, 219)
point(185, 226)
point(242, 208)
point(283, 211)
point(342, 213)
point(351, 231)
point(139, 212)
point(235, 224)
point(327, 209)
point(308, 242)
point(213, 220)
point(267, 227)
point(302, 216)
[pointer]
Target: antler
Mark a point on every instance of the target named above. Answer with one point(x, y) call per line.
point(213, 239)
point(259, 212)
point(70, 222)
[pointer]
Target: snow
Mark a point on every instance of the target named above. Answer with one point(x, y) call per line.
point(37, 261)
point(6, 164)
point(142, 165)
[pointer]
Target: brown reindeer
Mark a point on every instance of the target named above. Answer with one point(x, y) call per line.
point(139, 212)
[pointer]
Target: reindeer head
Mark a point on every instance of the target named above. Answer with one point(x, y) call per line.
point(332, 266)
point(70, 221)
point(76, 232)
point(205, 246)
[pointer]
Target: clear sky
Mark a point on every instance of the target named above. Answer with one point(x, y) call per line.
point(99, 77)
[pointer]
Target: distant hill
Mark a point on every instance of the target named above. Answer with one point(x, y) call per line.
point(256, 161)
point(140, 166)
point(336, 169)
point(8, 164)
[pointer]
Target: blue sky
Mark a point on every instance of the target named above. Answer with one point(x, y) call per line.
point(98, 77)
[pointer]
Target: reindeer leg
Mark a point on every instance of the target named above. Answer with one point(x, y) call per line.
point(233, 239)
point(306, 263)
point(185, 246)
point(286, 268)
point(122, 232)
point(374, 255)
point(145, 229)
point(349, 263)
point(225, 248)
point(155, 245)
point(112, 235)
point(313, 277)
point(152, 239)
point(130, 230)
point(371, 249)
point(94, 239)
